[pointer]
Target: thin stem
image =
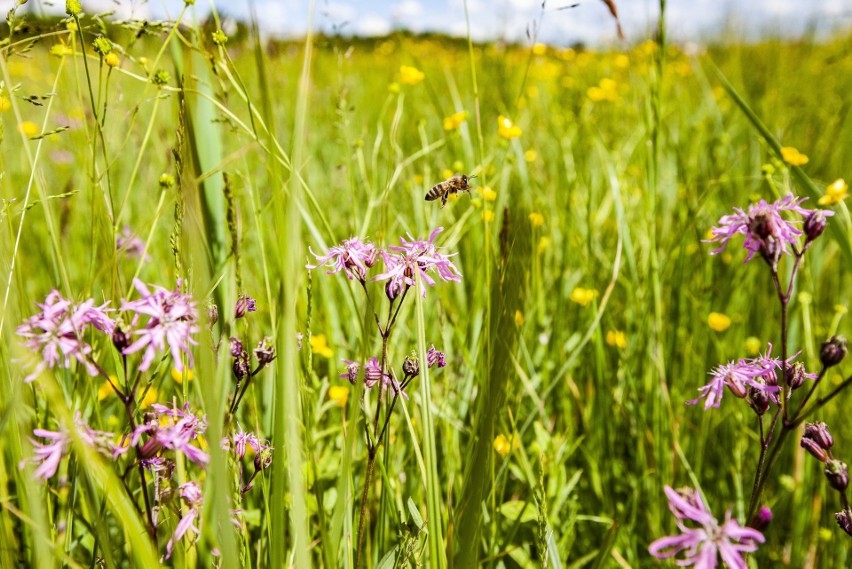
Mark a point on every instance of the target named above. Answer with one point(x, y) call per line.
point(765, 441)
point(810, 392)
point(371, 463)
point(372, 306)
point(822, 401)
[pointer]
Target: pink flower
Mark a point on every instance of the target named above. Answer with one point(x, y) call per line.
point(245, 304)
point(169, 428)
point(130, 244)
point(765, 230)
point(353, 257)
point(351, 373)
point(191, 494)
point(48, 455)
point(416, 257)
point(57, 332)
point(172, 321)
point(243, 440)
point(704, 541)
point(434, 357)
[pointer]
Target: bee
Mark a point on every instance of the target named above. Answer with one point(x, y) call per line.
point(458, 183)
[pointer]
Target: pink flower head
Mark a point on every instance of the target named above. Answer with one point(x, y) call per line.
point(416, 257)
point(172, 321)
point(435, 357)
point(170, 428)
point(703, 541)
point(765, 230)
point(191, 494)
point(736, 376)
point(353, 257)
point(131, 245)
point(244, 441)
point(351, 373)
point(48, 455)
point(245, 304)
point(373, 373)
point(57, 332)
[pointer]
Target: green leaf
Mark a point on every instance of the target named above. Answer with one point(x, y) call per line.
point(518, 510)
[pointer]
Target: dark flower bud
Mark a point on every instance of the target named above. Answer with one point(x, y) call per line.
point(263, 459)
point(833, 351)
point(119, 339)
point(245, 304)
point(265, 351)
point(351, 373)
point(761, 519)
point(242, 367)
point(818, 432)
point(795, 375)
point(759, 400)
point(212, 314)
point(410, 366)
point(814, 224)
point(236, 347)
point(771, 250)
point(844, 520)
point(813, 447)
point(392, 289)
point(434, 357)
point(837, 474)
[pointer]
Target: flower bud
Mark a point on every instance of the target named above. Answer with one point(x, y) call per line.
point(837, 474)
point(410, 366)
point(236, 347)
point(102, 45)
point(219, 37)
point(119, 339)
point(352, 370)
point(241, 366)
point(265, 351)
point(795, 375)
point(759, 401)
point(813, 447)
point(245, 304)
point(814, 224)
point(263, 459)
point(818, 432)
point(73, 7)
point(434, 356)
point(112, 59)
point(392, 289)
point(761, 519)
point(166, 181)
point(212, 315)
point(833, 351)
point(844, 520)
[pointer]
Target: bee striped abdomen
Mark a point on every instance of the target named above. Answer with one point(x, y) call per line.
point(436, 192)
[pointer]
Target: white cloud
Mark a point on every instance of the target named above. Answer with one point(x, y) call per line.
point(407, 11)
point(372, 25)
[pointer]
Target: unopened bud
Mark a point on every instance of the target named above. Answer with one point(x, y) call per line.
point(833, 351)
point(392, 289)
point(435, 357)
point(759, 400)
point(814, 224)
point(761, 519)
point(102, 45)
point(236, 347)
point(410, 366)
point(265, 351)
point(263, 459)
point(73, 7)
point(795, 375)
point(245, 304)
point(844, 520)
point(119, 339)
point(212, 314)
point(241, 366)
point(818, 432)
point(813, 447)
point(837, 474)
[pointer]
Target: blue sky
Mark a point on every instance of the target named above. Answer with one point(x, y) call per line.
point(589, 21)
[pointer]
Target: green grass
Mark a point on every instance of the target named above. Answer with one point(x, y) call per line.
point(285, 146)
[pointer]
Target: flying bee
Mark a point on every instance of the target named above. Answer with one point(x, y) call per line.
point(456, 184)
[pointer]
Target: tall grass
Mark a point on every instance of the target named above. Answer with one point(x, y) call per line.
point(577, 331)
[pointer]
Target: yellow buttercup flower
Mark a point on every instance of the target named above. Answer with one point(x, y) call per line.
point(793, 157)
point(105, 390)
point(112, 59)
point(536, 219)
point(502, 445)
point(487, 193)
point(507, 129)
point(148, 399)
point(409, 75)
point(621, 61)
point(539, 49)
point(320, 347)
point(583, 296)
point(339, 394)
point(455, 120)
point(5, 104)
point(530, 155)
point(488, 215)
point(617, 339)
point(606, 90)
point(752, 345)
point(835, 192)
point(543, 243)
point(718, 322)
point(394, 87)
point(178, 375)
point(28, 129)
point(519, 318)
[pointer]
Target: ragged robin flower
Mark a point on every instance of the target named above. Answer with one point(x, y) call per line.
point(416, 257)
point(354, 257)
point(192, 497)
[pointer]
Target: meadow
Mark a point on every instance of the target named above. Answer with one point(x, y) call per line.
point(189, 179)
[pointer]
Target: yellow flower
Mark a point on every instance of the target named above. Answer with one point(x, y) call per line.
point(488, 215)
point(320, 347)
point(458, 165)
point(543, 243)
point(793, 157)
point(455, 120)
point(105, 390)
point(530, 155)
point(835, 192)
point(71, 26)
point(752, 345)
point(539, 49)
point(5, 104)
point(606, 90)
point(621, 61)
point(583, 296)
point(718, 322)
point(410, 75)
point(61, 49)
point(148, 399)
point(339, 394)
point(28, 129)
point(487, 193)
point(178, 375)
point(616, 338)
point(112, 59)
point(393, 87)
point(536, 219)
point(519, 318)
point(502, 445)
point(507, 129)
point(447, 173)
point(418, 179)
